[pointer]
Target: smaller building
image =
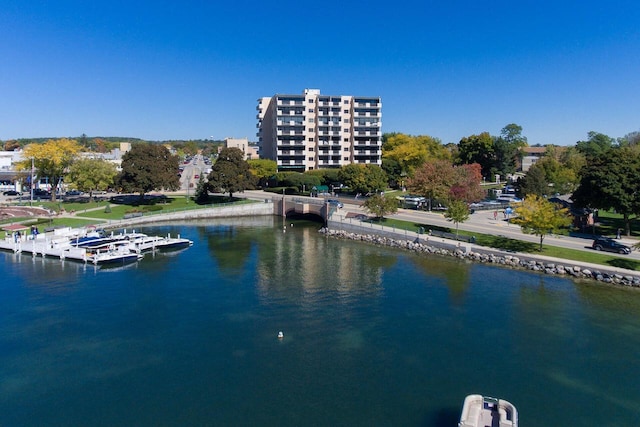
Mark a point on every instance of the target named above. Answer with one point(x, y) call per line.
point(250, 150)
point(530, 155)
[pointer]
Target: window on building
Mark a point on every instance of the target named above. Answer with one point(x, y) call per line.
point(346, 111)
point(346, 120)
point(309, 129)
point(311, 101)
point(346, 149)
point(345, 130)
point(311, 159)
point(346, 159)
point(311, 110)
point(346, 140)
point(311, 149)
point(310, 139)
point(310, 120)
point(346, 102)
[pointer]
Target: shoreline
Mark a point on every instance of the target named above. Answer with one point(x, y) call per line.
point(465, 251)
point(421, 243)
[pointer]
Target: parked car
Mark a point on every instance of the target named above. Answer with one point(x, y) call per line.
point(11, 193)
point(610, 245)
point(73, 193)
point(335, 202)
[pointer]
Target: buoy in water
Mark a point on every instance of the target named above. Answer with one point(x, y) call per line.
point(280, 335)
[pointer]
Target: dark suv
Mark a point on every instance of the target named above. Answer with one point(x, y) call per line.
point(610, 245)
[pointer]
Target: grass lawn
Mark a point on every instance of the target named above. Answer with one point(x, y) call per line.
point(507, 244)
point(609, 222)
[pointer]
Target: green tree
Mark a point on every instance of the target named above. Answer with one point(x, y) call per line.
point(51, 159)
point(506, 149)
point(539, 217)
point(230, 173)
point(477, 149)
point(363, 178)
point(327, 176)
point(533, 183)
point(148, 167)
point(263, 169)
point(202, 192)
point(91, 175)
point(596, 144)
point(395, 174)
point(381, 205)
point(457, 212)
point(611, 180)
point(302, 181)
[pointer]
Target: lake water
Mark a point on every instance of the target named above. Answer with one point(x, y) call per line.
point(372, 337)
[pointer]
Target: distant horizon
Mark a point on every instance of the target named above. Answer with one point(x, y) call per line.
point(166, 71)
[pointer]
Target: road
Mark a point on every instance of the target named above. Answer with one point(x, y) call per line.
point(191, 173)
point(481, 222)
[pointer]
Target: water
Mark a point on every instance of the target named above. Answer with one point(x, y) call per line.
point(372, 337)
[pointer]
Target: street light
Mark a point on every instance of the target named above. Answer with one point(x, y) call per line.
point(31, 185)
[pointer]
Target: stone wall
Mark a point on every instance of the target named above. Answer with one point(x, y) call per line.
point(463, 251)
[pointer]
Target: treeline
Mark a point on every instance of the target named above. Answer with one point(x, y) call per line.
point(108, 143)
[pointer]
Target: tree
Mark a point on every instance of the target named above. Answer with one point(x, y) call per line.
point(381, 205)
point(148, 167)
point(410, 152)
point(457, 211)
point(51, 159)
point(433, 180)
point(395, 174)
point(363, 178)
point(540, 217)
point(597, 143)
point(440, 180)
point(611, 180)
point(477, 149)
point(230, 173)
point(534, 182)
point(263, 169)
point(630, 139)
point(90, 175)
point(466, 185)
point(202, 194)
point(327, 176)
point(299, 180)
point(506, 149)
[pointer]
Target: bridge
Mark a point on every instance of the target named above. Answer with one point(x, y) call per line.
point(289, 205)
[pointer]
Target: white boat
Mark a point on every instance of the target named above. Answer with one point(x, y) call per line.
point(141, 242)
point(484, 411)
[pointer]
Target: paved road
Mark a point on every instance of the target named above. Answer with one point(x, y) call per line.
point(481, 222)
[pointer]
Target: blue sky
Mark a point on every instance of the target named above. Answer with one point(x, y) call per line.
point(194, 69)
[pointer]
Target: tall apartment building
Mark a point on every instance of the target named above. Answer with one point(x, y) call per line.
point(314, 131)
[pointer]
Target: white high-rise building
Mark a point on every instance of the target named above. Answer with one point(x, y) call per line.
point(314, 131)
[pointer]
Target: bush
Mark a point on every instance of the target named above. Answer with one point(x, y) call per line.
point(287, 190)
point(151, 208)
point(107, 209)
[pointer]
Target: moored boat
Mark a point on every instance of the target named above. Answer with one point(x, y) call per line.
point(484, 411)
point(141, 242)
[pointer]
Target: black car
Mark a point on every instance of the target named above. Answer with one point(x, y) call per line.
point(11, 193)
point(610, 245)
point(41, 193)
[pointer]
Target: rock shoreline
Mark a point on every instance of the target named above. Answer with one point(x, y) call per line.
point(506, 260)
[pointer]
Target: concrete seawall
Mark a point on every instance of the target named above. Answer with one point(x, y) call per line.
point(244, 210)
